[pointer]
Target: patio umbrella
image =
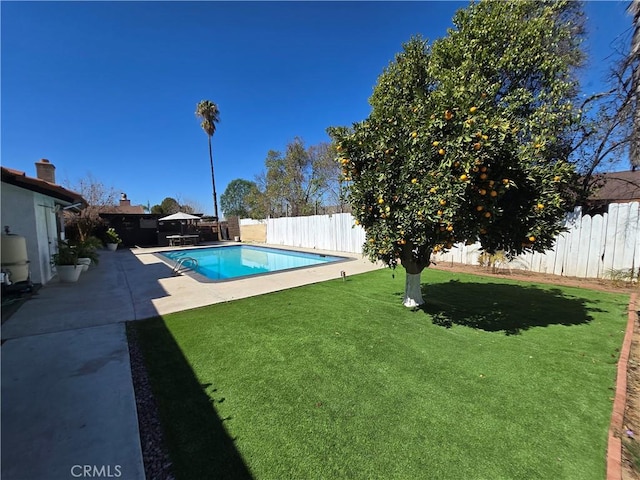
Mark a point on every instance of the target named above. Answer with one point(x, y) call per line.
point(179, 216)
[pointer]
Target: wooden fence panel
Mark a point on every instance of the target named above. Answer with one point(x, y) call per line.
point(610, 238)
point(590, 248)
point(628, 226)
point(594, 259)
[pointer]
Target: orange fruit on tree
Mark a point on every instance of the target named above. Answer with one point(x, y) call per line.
point(443, 202)
point(532, 239)
point(483, 169)
point(448, 115)
point(433, 190)
point(482, 191)
point(483, 176)
point(440, 212)
point(414, 180)
point(477, 146)
point(414, 134)
point(441, 151)
point(505, 181)
point(381, 200)
point(479, 208)
point(463, 177)
point(473, 109)
point(493, 193)
point(449, 228)
point(487, 214)
point(436, 143)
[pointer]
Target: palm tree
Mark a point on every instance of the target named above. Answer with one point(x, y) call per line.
point(210, 115)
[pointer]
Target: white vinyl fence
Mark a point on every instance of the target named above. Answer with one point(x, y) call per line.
point(335, 232)
point(593, 247)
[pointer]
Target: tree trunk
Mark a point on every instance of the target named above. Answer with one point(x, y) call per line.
point(634, 154)
point(413, 262)
point(412, 291)
point(213, 182)
point(215, 197)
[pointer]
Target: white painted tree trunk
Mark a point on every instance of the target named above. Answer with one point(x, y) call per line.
point(412, 291)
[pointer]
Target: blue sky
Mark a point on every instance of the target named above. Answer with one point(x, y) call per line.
point(110, 88)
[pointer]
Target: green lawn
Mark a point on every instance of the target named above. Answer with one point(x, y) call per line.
point(493, 379)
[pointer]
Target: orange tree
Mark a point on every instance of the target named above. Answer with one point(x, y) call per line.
point(469, 138)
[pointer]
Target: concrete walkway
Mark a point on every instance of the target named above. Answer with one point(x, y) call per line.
point(67, 395)
point(68, 406)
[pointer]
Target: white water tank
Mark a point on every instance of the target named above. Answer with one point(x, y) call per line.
point(14, 257)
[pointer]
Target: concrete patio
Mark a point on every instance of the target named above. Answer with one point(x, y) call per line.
point(67, 394)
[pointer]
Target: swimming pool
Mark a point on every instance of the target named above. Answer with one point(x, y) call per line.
point(224, 263)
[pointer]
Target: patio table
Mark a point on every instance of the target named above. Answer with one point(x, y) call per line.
point(181, 240)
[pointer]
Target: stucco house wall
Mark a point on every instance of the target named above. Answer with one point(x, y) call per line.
point(31, 215)
point(31, 207)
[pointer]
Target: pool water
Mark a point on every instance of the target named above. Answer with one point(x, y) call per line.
point(222, 263)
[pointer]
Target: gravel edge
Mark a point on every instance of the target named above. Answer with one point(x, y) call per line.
point(157, 463)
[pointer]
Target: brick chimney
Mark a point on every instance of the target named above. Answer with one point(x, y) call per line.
point(46, 171)
point(124, 202)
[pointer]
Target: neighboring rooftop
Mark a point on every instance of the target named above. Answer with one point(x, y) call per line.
point(617, 187)
point(124, 207)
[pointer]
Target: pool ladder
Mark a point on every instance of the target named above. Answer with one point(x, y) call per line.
point(181, 263)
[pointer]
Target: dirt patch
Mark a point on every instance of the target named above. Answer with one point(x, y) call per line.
point(590, 283)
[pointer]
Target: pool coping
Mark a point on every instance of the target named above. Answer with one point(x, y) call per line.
point(204, 279)
point(155, 291)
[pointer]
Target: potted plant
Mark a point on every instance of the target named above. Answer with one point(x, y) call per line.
point(87, 251)
point(113, 239)
point(66, 263)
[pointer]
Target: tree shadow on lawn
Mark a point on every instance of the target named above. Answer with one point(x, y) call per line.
point(197, 440)
point(495, 307)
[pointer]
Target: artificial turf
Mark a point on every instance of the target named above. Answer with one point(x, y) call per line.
point(492, 379)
